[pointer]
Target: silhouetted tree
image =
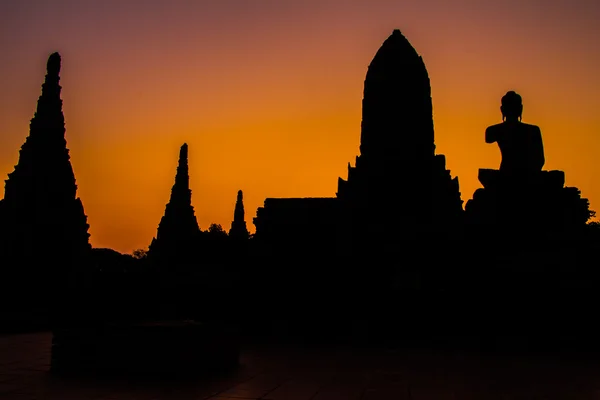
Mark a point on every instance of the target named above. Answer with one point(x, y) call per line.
point(216, 231)
point(140, 254)
point(593, 227)
point(215, 243)
point(592, 214)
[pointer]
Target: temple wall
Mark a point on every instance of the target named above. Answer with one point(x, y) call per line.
point(299, 222)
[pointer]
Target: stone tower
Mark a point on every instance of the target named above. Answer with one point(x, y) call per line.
point(238, 225)
point(398, 187)
point(178, 231)
point(43, 224)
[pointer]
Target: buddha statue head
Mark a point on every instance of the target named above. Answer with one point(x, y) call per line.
point(512, 106)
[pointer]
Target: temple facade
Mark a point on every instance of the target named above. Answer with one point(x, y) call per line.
point(297, 224)
point(399, 187)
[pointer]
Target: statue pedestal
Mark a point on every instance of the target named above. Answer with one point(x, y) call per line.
point(493, 179)
point(522, 205)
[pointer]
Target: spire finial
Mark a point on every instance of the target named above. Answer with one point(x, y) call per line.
point(53, 65)
point(183, 152)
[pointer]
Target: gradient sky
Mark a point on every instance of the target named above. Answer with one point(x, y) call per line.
point(267, 93)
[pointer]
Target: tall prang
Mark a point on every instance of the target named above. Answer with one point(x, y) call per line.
point(399, 186)
point(42, 219)
point(238, 225)
point(178, 230)
point(397, 111)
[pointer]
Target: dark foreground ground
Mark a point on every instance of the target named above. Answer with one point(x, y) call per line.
point(285, 372)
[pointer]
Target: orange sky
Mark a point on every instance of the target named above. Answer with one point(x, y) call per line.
point(268, 94)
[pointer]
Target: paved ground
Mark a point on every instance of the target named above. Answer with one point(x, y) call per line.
point(303, 374)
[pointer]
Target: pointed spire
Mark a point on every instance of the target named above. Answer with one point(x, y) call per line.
point(397, 115)
point(178, 229)
point(239, 207)
point(183, 155)
point(182, 178)
point(238, 226)
point(53, 64)
point(40, 199)
point(48, 119)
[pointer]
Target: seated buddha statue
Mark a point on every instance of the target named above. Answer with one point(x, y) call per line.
point(520, 192)
point(521, 147)
point(520, 144)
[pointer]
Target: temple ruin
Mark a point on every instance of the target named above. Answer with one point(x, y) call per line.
point(238, 230)
point(41, 217)
point(178, 231)
point(44, 239)
point(399, 188)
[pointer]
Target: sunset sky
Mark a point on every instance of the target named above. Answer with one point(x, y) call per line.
point(267, 93)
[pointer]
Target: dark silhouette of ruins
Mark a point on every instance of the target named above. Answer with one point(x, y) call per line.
point(178, 230)
point(430, 265)
point(238, 230)
point(43, 228)
point(398, 189)
point(520, 199)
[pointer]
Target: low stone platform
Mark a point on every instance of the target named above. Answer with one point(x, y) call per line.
point(145, 348)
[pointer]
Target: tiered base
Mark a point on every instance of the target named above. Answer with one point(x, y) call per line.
point(523, 204)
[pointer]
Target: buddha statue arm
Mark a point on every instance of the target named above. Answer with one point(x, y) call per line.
point(491, 135)
point(538, 150)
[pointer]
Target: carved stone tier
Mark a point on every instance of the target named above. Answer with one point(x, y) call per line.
point(525, 204)
point(427, 201)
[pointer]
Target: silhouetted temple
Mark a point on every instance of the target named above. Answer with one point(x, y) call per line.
point(238, 225)
point(42, 222)
point(178, 232)
point(399, 187)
